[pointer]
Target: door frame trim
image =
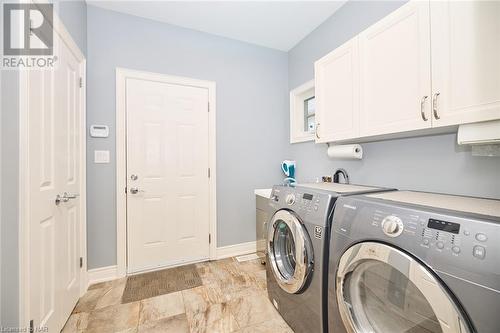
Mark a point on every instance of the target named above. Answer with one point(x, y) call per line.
point(24, 168)
point(121, 159)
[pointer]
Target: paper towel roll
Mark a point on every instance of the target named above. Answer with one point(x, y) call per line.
point(346, 152)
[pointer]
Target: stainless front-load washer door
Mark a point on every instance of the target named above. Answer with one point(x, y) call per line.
point(381, 289)
point(290, 252)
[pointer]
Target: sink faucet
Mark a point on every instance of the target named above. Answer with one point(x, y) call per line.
point(344, 174)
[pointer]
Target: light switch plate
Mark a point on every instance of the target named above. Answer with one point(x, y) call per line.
point(101, 156)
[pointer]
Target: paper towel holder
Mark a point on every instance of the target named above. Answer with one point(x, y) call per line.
point(357, 150)
point(345, 151)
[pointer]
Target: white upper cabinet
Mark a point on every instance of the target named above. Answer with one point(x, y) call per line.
point(337, 94)
point(427, 65)
point(395, 72)
point(465, 39)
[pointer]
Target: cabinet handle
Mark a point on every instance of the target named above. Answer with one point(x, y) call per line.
point(316, 131)
point(435, 105)
point(422, 108)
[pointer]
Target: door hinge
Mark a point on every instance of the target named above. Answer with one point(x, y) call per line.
point(208, 172)
point(32, 326)
point(125, 190)
point(81, 82)
point(208, 106)
point(81, 262)
point(209, 238)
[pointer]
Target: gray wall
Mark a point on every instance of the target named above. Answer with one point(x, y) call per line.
point(9, 156)
point(73, 14)
point(252, 131)
point(432, 163)
point(9, 195)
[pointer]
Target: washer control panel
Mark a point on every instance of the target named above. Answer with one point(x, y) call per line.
point(302, 201)
point(307, 204)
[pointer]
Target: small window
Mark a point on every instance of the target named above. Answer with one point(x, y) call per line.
point(309, 113)
point(302, 113)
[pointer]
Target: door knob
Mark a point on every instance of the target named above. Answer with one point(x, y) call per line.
point(135, 190)
point(65, 197)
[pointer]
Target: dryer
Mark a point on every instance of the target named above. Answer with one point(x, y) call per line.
point(297, 250)
point(414, 262)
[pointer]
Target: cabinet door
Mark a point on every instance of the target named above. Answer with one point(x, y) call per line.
point(395, 72)
point(465, 61)
point(337, 94)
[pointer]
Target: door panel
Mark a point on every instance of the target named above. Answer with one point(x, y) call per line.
point(54, 122)
point(337, 93)
point(46, 278)
point(167, 148)
point(395, 72)
point(465, 61)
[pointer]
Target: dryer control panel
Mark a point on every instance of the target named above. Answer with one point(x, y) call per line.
point(463, 245)
point(442, 235)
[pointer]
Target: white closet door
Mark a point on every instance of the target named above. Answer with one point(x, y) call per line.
point(54, 127)
point(395, 72)
point(337, 94)
point(68, 147)
point(167, 174)
point(465, 61)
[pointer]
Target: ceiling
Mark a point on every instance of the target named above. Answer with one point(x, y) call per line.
point(275, 24)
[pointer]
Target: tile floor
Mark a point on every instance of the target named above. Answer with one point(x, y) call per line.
point(233, 298)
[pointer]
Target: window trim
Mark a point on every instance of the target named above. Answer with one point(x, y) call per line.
point(297, 112)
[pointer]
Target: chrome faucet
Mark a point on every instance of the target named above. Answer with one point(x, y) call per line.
point(344, 174)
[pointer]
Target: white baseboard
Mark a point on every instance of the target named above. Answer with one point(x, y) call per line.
point(102, 274)
point(236, 250)
point(108, 273)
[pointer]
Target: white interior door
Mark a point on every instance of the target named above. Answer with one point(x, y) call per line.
point(395, 72)
point(167, 174)
point(54, 147)
point(465, 61)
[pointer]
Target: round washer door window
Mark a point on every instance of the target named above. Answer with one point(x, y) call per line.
point(290, 252)
point(381, 289)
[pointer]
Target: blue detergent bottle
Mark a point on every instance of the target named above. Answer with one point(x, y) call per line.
point(288, 168)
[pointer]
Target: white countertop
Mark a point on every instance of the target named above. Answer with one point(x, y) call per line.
point(263, 192)
point(463, 204)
